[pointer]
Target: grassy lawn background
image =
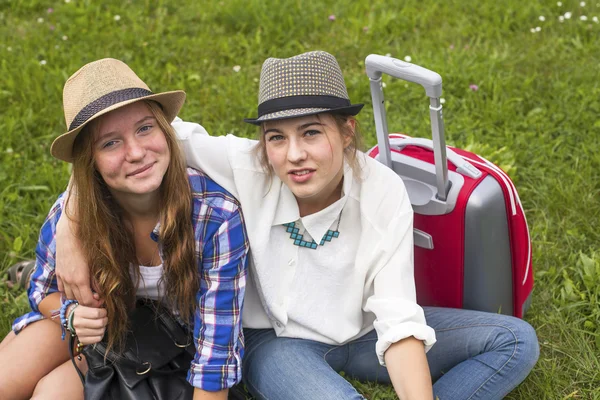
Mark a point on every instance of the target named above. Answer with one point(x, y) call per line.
point(535, 112)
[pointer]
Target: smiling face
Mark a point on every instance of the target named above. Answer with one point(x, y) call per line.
point(130, 151)
point(307, 154)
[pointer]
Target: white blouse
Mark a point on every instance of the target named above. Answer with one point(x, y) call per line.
point(342, 290)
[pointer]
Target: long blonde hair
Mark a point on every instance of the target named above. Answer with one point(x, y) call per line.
point(109, 245)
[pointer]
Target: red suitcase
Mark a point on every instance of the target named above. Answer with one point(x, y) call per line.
point(472, 244)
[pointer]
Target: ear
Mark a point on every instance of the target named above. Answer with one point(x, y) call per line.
point(351, 122)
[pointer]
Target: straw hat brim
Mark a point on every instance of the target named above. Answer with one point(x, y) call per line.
point(301, 112)
point(171, 102)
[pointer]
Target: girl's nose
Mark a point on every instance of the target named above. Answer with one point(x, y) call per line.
point(135, 151)
point(296, 151)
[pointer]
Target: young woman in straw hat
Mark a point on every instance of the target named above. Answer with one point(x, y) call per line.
point(332, 285)
point(148, 227)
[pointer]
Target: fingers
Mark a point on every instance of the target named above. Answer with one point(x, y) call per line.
point(90, 324)
point(67, 290)
point(85, 296)
point(90, 336)
point(90, 339)
point(99, 300)
point(89, 313)
point(60, 284)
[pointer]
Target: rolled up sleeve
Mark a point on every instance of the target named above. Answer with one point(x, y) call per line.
point(398, 316)
point(218, 334)
point(43, 281)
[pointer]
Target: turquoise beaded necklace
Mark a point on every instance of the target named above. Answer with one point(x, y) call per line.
point(298, 237)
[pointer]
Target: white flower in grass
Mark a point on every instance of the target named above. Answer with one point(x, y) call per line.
point(542, 18)
point(117, 17)
point(388, 54)
point(532, 30)
point(236, 68)
point(583, 18)
point(9, 150)
point(442, 100)
point(383, 85)
point(582, 4)
point(408, 58)
point(43, 62)
point(538, 28)
point(67, 1)
point(9, 48)
point(40, 20)
point(65, 37)
point(595, 19)
point(561, 18)
point(568, 15)
point(559, 3)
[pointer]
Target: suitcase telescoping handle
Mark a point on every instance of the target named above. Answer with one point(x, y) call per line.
point(377, 65)
point(462, 166)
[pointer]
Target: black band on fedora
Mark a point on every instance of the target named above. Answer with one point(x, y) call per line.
point(106, 101)
point(291, 102)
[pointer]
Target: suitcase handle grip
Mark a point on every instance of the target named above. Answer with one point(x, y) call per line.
point(376, 65)
point(431, 81)
point(462, 166)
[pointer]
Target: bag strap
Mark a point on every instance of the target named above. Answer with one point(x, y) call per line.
point(176, 332)
point(71, 345)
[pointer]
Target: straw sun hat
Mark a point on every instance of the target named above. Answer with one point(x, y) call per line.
point(306, 84)
point(100, 87)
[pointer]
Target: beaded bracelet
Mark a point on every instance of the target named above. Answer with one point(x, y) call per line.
point(63, 319)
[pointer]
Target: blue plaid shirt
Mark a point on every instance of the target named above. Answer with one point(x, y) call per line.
point(222, 242)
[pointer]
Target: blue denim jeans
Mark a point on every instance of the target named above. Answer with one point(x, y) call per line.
point(477, 356)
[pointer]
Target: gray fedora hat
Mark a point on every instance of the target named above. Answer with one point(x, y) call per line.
point(306, 84)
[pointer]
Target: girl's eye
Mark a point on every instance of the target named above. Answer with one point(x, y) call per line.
point(311, 133)
point(274, 138)
point(108, 144)
point(145, 128)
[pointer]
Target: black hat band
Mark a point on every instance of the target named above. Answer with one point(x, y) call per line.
point(109, 99)
point(292, 102)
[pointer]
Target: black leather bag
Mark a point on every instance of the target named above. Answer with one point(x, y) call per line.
point(154, 365)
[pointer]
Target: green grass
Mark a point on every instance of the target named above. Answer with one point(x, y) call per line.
point(536, 113)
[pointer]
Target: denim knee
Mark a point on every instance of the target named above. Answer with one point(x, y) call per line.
point(528, 342)
point(517, 340)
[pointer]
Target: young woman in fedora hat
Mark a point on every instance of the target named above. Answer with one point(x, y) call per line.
point(332, 285)
point(148, 227)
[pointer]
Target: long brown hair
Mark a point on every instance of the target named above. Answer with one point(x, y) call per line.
point(108, 243)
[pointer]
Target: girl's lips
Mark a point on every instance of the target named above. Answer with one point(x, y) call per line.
point(301, 178)
point(142, 171)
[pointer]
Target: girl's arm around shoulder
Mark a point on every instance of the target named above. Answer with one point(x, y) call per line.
point(218, 332)
point(217, 156)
